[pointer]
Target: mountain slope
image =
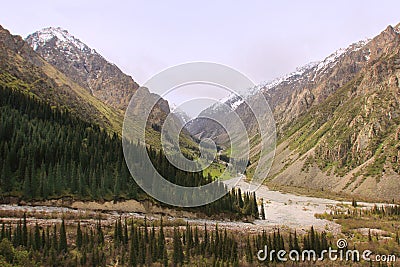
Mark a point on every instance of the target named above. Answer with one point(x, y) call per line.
point(350, 141)
point(84, 65)
point(293, 94)
point(101, 80)
point(23, 69)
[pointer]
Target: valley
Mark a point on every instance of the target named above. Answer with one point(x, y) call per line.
point(69, 196)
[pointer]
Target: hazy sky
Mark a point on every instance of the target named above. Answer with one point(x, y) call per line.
point(262, 39)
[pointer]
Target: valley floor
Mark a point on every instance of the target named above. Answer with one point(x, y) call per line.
point(283, 210)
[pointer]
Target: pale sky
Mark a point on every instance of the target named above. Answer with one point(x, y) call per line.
point(262, 39)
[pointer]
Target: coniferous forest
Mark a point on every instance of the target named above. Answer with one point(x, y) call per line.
point(129, 242)
point(49, 153)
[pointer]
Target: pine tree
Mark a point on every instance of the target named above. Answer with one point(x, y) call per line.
point(3, 231)
point(262, 210)
point(132, 253)
point(63, 247)
point(79, 236)
point(24, 231)
point(177, 257)
point(161, 241)
point(100, 234)
point(37, 241)
point(27, 184)
point(296, 245)
point(249, 252)
point(125, 233)
point(54, 243)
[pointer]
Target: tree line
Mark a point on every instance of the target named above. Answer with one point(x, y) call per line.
point(131, 242)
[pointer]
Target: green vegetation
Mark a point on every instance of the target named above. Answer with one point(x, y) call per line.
point(48, 153)
point(376, 228)
point(331, 128)
point(215, 170)
point(106, 114)
point(148, 243)
point(352, 218)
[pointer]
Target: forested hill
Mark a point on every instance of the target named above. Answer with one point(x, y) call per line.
point(47, 153)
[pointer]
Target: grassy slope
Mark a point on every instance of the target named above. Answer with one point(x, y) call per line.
point(320, 145)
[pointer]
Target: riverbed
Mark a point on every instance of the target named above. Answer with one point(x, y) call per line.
point(282, 210)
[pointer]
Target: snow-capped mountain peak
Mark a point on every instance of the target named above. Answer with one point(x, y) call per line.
point(62, 38)
point(83, 65)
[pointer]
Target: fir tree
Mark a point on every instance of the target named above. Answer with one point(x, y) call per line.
point(63, 247)
point(177, 256)
point(79, 236)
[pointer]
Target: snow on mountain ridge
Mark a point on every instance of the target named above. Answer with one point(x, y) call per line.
point(314, 68)
point(332, 59)
point(299, 71)
point(63, 39)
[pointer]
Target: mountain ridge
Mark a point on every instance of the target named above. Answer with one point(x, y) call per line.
point(325, 142)
point(88, 68)
point(348, 140)
point(23, 69)
point(102, 80)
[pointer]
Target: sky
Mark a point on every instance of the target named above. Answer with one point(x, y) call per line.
point(261, 39)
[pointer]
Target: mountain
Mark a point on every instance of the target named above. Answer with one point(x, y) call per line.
point(292, 94)
point(54, 143)
point(336, 120)
point(23, 69)
point(345, 135)
point(84, 65)
point(180, 114)
point(100, 79)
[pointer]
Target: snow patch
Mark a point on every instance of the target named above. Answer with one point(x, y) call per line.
point(293, 76)
point(237, 103)
point(368, 55)
point(334, 58)
point(63, 39)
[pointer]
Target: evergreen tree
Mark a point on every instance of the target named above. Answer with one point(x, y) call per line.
point(24, 231)
point(262, 210)
point(37, 244)
point(63, 238)
point(161, 241)
point(79, 236)
point(177, 258)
